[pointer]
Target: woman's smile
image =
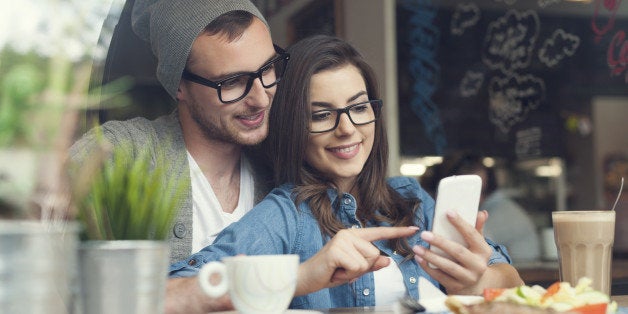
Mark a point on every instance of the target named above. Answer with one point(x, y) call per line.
point(345, 151)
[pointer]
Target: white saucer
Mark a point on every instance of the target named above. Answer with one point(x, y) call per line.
point(438, 304)
point(286, 312)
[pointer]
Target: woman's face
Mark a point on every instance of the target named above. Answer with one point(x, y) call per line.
point(340, 153)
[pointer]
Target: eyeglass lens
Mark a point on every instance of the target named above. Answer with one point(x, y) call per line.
point(235, 88)
point(359, 114)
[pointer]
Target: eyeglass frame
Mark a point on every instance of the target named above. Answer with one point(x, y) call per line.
point(377, 105)
point(281, 55)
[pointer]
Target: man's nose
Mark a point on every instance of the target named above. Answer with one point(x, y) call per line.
point(258, 95)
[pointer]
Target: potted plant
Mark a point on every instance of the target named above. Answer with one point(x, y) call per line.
point(126, 205)
point(39, 97)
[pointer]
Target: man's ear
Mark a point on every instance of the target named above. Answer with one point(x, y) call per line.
point(180, 93)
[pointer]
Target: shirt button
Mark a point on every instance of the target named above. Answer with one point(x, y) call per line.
point(347, 201)
point(355, 227)
point(366, 291)
point(412, 280)
point(180, 230)
point(192, 262)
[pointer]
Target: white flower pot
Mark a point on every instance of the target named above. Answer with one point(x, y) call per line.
point(126, 276)
point(37, 267)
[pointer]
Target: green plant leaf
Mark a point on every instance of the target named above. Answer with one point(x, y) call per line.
point(131, 195)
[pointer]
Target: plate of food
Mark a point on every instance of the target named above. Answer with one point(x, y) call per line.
point(559, 297)
point(431, 300)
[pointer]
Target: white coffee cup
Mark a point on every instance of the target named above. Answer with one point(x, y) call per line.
point(257, 284)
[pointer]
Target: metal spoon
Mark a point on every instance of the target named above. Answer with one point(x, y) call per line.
point(621, 188)
point(411, 305)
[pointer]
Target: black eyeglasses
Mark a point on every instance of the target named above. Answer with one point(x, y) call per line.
point(360, 114)
point(236, 87)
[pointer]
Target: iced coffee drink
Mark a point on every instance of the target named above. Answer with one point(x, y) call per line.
point(585, 245)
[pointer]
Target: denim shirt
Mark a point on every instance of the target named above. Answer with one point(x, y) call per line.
point(277, 226)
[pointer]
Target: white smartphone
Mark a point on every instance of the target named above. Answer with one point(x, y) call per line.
point(462, 195)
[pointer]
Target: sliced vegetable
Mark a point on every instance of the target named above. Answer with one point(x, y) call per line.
point(599, 308)
point(551, 290)
point(491, 293)
point(559, 296)
point(528, 296)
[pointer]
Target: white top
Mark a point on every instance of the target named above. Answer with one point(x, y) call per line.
point(389, 285)
point(208, 217)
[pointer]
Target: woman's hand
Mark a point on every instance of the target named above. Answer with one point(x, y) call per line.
point(347, 256)
point(468, 271)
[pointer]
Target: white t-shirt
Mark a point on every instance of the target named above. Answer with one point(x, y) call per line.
point(389, 285)
point(208, 218)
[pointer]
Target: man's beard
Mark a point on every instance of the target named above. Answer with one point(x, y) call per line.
point(226, 132)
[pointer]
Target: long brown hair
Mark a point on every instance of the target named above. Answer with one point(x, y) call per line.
point(289, 137)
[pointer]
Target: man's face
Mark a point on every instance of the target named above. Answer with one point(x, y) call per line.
point(244, 122)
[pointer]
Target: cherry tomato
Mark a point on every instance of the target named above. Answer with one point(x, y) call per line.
point(491, 293)
point(599, 308)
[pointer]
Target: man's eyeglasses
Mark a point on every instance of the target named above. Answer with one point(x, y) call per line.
point(360, 114)
point(236, 87)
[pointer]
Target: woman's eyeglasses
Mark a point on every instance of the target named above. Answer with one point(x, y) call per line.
point(360, 114)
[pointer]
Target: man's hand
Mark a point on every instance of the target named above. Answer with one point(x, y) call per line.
point(184, 296)
point(347, 256)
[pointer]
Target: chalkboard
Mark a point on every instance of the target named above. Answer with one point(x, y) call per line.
point(508, 78)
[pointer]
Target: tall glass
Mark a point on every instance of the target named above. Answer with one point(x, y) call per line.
point(585, 245)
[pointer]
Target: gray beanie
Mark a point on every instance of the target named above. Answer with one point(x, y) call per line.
point(171, 26)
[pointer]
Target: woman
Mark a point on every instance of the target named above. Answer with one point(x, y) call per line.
point(328, 147)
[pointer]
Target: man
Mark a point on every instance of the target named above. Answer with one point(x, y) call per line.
point(218, 61)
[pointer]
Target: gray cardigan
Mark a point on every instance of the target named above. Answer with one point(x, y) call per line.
point(165, 133)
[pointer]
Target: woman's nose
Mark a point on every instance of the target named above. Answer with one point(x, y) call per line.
point(345, 126)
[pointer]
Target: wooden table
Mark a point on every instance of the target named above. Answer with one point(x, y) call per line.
point(622, 301)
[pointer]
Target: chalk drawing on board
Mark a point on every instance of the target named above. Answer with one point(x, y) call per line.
point(603, 20)
point(423, 67)
point(512, 97)
point(617, 55)
point(510, 40)
point(546, 3)
point(465, 16)
point(528, 142)
point(559, 46)
point(471, 83)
